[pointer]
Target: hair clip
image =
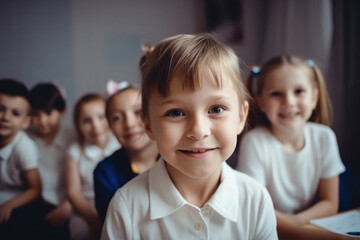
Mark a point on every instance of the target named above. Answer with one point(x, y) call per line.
point(112, 87)
point(255, 71)
point(309, 62)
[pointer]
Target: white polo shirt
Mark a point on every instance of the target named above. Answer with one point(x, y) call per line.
point(18, 156)
point(150, 207)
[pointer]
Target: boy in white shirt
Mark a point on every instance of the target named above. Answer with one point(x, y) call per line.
point(19, 178)
point(194, 106)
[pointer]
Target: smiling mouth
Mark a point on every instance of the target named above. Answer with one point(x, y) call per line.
point(201, 150)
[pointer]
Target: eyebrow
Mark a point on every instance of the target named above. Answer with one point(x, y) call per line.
point(212, 98)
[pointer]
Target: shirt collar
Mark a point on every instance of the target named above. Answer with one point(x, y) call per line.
point(163, 193)
point(95, 153)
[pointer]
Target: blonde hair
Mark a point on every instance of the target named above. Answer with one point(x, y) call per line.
point(90, 97)
point(187, 55)
point(255, 84)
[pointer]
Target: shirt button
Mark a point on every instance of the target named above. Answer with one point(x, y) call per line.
point(197, 226)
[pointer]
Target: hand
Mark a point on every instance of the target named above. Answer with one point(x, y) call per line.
point(58, 216)
point(5, 212)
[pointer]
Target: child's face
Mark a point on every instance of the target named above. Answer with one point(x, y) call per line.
point(125, 120)
point(93, 123)
point(46, 123)
point(288, 98)
point(196, 131)
point(13, 116)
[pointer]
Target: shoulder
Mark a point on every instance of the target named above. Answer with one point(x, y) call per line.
point(319, 131)
point(257, 134)
point(111, 161)
point(25, 151)
point(24, 144)
point(75, 151)
point(257, 138)
point(248, 185)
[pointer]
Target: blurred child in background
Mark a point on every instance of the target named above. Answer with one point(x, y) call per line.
point(95, 142)
point(48, 104)
point(20, 186)
point(292, 150)
point(138, 152)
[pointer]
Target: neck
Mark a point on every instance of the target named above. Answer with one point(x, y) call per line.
point(144, 159)
point(49, 138)
point(293, 141)
point(195, 191)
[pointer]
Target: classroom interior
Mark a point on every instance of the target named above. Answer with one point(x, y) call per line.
point(83, 43)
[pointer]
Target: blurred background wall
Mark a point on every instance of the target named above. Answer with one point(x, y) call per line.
point(83, 43)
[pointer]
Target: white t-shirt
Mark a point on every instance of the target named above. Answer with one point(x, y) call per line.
point(18, 156)
point(52, 165)
point(150, 207)
point(87, 160)
point(292, 179)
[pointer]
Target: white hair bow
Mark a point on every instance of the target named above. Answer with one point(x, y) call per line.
point(112, 86)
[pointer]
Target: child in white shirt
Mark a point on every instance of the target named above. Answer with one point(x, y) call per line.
point(95, 142)
point(20, 186)
point(194, 106)
point(48, 103)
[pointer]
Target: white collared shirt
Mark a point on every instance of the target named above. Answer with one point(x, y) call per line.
point(87, 160)
point(52, 164)
point(150, 207)
point(18, 156)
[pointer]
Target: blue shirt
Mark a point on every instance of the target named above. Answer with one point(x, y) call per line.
point(109, 175)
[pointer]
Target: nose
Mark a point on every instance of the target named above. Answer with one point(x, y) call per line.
point(42, 118)
point(289, 99)
point(130, 120)
point(198, 127)
point(5, 115)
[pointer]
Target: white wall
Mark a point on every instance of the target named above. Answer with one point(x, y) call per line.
point(107, 36)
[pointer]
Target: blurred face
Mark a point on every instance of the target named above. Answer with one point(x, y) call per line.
point(196, 131)
point(288, 98)
point(93, 123)
point(13, 117)
point(125, 120)
point(46, 123)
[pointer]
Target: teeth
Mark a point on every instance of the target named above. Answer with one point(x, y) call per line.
point(199, 151)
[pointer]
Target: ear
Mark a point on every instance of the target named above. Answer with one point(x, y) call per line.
point(147, 126)
point(26, 122)
point(242, 117)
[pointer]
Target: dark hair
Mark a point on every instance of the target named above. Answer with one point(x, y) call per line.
point(14, 88)
point(47, 96)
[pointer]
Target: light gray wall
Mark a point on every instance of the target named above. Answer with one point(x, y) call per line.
point(83, 43)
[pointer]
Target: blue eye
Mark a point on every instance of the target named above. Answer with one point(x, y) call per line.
point(216, 110)
point(175, 113)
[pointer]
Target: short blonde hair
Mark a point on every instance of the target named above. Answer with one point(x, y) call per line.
point(187, 55)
